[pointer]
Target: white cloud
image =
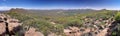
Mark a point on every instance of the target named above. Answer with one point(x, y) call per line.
point(7, 8)
point(4, 8)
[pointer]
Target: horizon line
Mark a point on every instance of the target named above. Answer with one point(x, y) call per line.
point(8, 8)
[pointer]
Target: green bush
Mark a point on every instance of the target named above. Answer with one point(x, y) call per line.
point(116, 30)
point(75, 22)
point(117, 16)
point(58, 29)
point(114, 34)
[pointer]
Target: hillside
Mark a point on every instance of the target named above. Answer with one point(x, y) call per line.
point(76, 22)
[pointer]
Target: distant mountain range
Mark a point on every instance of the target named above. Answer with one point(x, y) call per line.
point(53, 11)
point(56, 10)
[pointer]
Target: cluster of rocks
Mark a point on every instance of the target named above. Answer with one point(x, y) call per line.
point(72, 31)
point(91, 27)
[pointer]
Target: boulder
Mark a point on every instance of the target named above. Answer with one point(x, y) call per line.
point(2, 28)
point(32, 32)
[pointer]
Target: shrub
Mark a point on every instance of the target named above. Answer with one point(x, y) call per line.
point(116, 30)
point(58, 29)
point(75, 22)
point(117, 16)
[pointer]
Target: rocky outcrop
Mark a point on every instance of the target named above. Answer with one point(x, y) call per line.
point(2, 28)
point(12, 27)
point(8, 25)
point(32, 32)
point(91, 27)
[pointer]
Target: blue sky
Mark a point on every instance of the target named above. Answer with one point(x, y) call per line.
point(60, 4)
